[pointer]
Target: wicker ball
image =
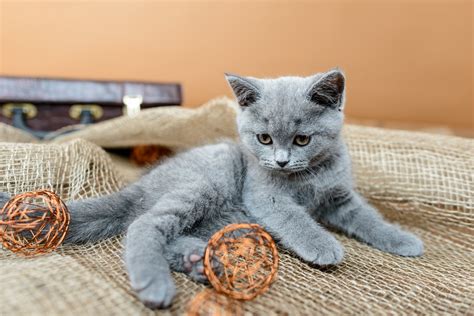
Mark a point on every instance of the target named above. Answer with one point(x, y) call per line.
point(209, 302)
point(148, 154)
point(241, 260)
point(33, 223)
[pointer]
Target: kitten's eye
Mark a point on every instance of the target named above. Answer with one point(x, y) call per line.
point(301, 140)
point(264, 139)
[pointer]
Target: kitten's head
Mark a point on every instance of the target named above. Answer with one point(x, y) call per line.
point(289, 122)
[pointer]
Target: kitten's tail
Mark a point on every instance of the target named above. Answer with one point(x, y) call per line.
point(102, 217)
point(4, 197)
point(98, 218)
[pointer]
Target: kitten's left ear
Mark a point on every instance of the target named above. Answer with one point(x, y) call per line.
point(246, 90)
point(328, 90)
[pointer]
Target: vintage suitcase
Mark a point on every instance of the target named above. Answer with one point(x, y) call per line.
point(41, 105)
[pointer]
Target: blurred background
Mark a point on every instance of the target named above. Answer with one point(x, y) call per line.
point(409, 64)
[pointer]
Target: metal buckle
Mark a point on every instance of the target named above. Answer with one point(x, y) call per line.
point(28, 109)
point(77, 110)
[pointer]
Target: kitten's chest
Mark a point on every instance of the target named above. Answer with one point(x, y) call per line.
point(313, 194)
point(305, 194)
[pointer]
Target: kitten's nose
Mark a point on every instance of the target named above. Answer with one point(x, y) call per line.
point(282, 163)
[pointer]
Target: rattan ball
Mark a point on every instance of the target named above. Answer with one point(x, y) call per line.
point(209, 302)
point(241, 260)
point(148, 154)
point(33, 223)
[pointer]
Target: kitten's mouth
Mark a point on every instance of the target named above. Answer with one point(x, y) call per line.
point(279, 170)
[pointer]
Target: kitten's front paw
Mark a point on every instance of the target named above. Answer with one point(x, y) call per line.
point(322, 251)
point(401, 243)
point(329, 254)
point(154, 290)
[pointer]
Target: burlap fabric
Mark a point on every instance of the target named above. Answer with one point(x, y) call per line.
point(11, 134)
point(172, 126)
point(424, 182)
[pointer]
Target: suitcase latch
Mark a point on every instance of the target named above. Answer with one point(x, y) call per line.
point(86, 113)
point(19, 113)
point(132, 103)
point(27, 109)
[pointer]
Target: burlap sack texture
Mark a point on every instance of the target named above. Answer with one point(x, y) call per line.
point(11, 134)
point(425, 182)
point(173, 126)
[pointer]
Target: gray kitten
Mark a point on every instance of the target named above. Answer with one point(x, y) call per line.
point(290, 172)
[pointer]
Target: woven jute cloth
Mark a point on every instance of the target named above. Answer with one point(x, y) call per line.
point(171, 126)
point(424, 182)
point(11, 134)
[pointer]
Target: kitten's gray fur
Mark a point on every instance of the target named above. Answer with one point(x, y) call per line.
point(172, 211)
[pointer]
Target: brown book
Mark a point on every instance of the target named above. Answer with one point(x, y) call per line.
point(40, 105)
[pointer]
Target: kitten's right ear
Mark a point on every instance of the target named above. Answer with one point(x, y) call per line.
point(245, 89)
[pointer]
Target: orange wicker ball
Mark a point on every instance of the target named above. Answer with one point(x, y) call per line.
point(208, 302)
point(33, 223)
point(148, 154)
point(241, 260)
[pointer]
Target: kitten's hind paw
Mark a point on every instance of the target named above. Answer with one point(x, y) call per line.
point(186, 254)
point(193, 264)
point(194, 267)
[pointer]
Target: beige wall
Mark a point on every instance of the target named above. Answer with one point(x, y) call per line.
point(408, 61)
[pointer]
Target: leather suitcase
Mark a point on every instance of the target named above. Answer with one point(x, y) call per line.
point(43, 105)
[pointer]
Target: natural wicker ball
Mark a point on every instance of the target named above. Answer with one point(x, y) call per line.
point(241, 260)
point(148, 154)
point(33, 223)
point(209, 302)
